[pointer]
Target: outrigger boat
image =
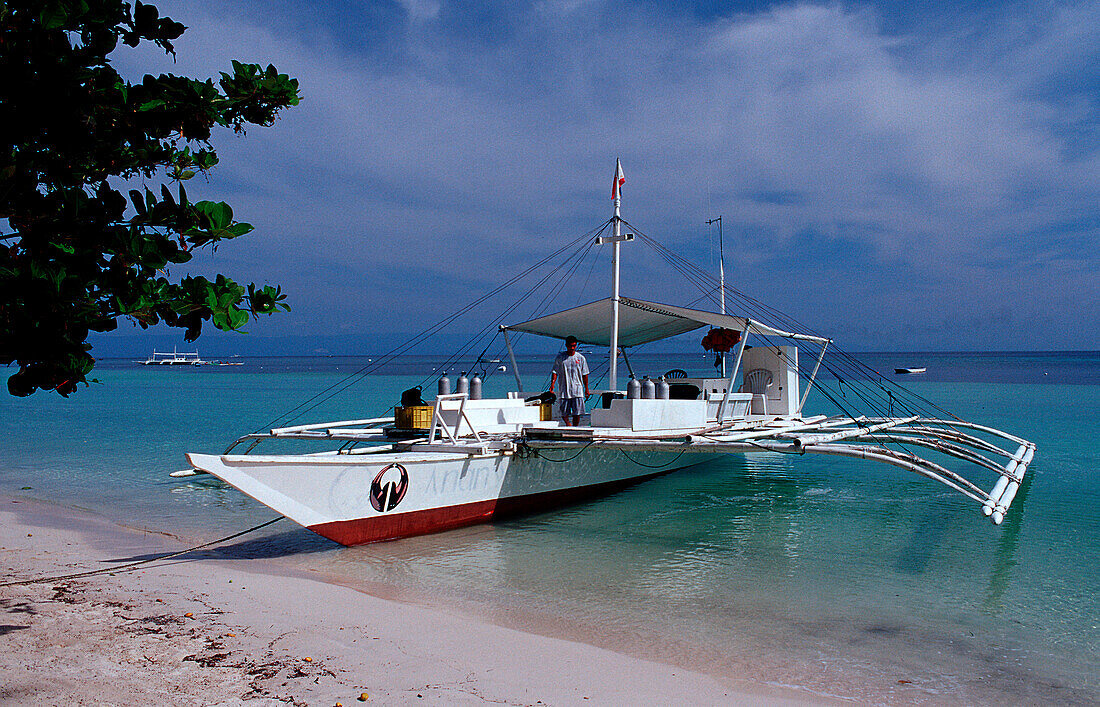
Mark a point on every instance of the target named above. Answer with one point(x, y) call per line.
point(462, 459)
point(175, 358)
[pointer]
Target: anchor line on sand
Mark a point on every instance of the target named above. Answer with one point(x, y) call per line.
point(131, 565)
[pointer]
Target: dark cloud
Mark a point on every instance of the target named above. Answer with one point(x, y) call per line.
point(880, 171)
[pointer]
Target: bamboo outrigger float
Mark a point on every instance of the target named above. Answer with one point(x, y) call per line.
point(471, 460)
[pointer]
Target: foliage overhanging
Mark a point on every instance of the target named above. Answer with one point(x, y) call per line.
point(75, 255)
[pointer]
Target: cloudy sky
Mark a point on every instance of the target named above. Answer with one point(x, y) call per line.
point(899, 176)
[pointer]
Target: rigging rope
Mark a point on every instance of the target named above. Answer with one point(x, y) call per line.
point(336, 388)
point(849, 366)
point(554, 291)
point(495, 322)
point(875, 393)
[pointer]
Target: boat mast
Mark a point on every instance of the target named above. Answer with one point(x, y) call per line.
point(613, 378)
point(721, 277)
point(614, 240)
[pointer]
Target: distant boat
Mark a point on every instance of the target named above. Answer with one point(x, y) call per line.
point(902, 371)
point(160, 358)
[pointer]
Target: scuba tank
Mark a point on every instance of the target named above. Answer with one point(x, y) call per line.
point(444, 385)
point(462, 385)
point(475, 387)
point(633, 388)
point(649, 389)
point(662, 388)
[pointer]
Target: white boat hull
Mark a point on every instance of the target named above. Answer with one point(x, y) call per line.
point(362, 498)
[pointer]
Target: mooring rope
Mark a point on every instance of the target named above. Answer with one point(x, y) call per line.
point(131, 565)
point(652, 466)
point(561, 461)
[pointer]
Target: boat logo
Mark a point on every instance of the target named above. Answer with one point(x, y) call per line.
point(389, 487)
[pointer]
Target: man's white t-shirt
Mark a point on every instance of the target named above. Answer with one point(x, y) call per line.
point(571, 371)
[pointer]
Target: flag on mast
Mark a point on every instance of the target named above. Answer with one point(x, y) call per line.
point(619, 180)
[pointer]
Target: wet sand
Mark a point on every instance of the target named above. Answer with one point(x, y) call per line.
point(202, 631)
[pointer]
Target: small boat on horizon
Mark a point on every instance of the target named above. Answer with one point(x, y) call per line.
point(175, 358)
point(186, 358)
point(905, 371)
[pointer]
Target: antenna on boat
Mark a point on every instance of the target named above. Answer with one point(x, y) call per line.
point(721, 276)
point(615, 240)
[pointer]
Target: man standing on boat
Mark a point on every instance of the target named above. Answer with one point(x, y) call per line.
point(572, 367)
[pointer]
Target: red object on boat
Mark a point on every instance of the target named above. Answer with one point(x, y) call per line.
point(721, 340)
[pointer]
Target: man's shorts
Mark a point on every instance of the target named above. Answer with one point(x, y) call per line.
point(571, 407)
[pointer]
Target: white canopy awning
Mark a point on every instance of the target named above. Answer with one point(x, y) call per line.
point(640, 322)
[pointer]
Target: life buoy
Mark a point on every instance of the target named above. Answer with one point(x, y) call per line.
point(386, 491)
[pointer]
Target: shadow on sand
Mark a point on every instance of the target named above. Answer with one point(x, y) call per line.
point(295, 541)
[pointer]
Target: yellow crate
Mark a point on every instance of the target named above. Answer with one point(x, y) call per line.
point(414, 417)
point(546, 411)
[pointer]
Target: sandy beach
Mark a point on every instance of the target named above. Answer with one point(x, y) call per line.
point(228, 632)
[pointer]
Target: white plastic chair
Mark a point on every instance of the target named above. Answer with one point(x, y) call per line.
point(757, 382)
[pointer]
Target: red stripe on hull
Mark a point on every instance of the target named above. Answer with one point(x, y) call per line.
point(434, 520)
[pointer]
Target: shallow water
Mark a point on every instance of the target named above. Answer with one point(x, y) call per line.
point(838, 576)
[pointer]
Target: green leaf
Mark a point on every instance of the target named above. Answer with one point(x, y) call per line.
point(138, 200)
point(205, 159)
point(237, 318)
point(145, 17)
point(239, 229)
point(219, 213)
point(53, 15)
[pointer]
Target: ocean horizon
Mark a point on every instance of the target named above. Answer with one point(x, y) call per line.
point(839, 577)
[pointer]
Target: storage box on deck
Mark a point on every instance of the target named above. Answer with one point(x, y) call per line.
point(649, 414)
point(546, 412)
point(413, 417)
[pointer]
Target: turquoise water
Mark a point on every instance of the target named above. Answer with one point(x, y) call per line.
point(837, 576)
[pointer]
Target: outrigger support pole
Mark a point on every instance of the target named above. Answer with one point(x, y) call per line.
point(733, 373)
point(813, 376)
point(512, 358)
